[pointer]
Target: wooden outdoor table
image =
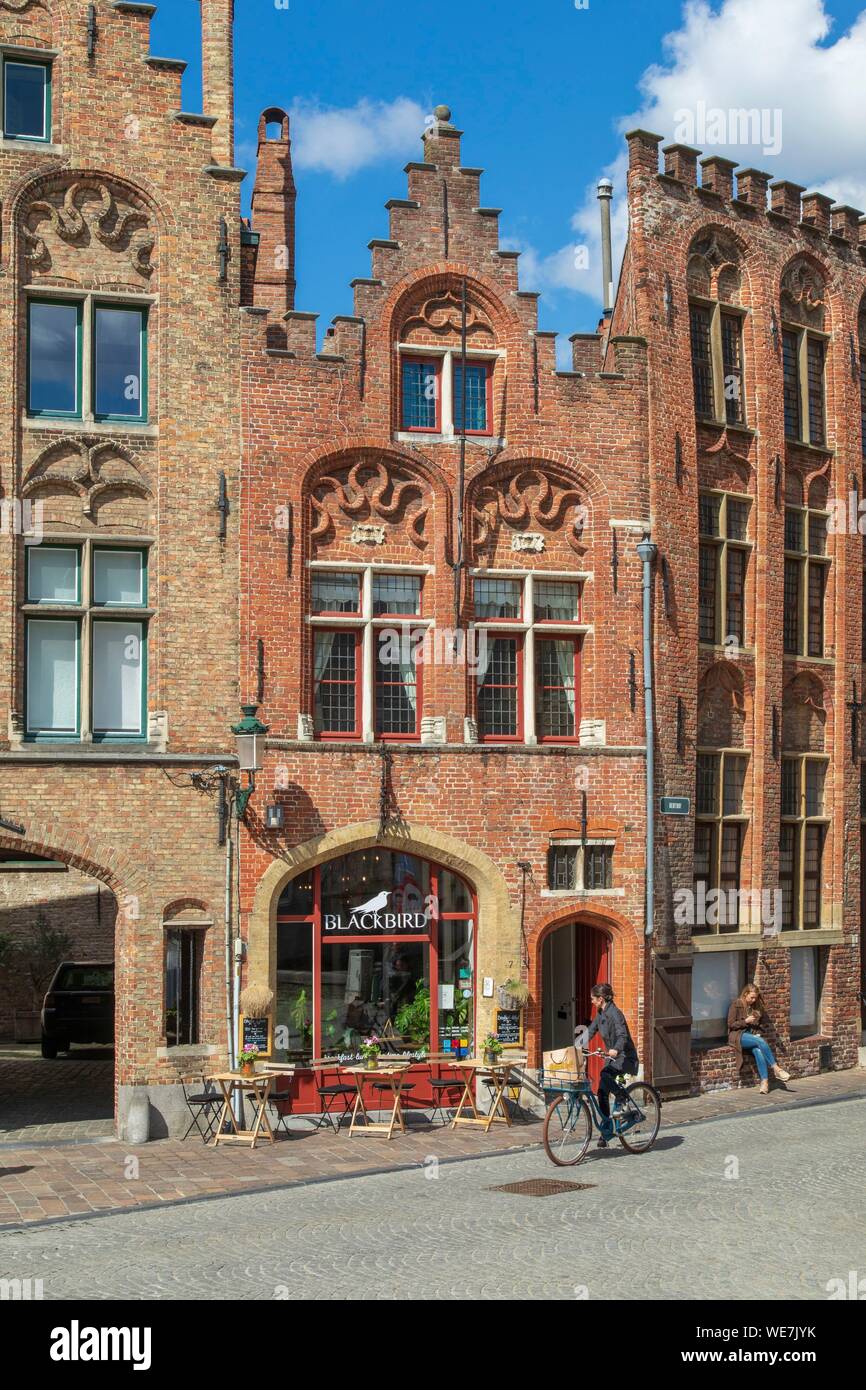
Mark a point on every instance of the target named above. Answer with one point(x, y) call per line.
point(395, 1076)
point(259, 1083)
point(500, 1073)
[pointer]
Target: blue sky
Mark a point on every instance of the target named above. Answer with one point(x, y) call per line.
point(542, 92)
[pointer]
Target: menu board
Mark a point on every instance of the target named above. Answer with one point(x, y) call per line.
point(509, 1027)
point(255, 1033)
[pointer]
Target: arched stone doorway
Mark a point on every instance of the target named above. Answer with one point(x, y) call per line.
point(574, 957)
point(573, 951)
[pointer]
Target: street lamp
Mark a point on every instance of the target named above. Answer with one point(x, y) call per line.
point(249, 734)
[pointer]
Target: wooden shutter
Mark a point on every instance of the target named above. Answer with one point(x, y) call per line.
point(672, 1024)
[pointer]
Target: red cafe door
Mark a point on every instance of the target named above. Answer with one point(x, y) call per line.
point(592, 967)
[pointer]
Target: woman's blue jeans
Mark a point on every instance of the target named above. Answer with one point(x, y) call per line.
point(761, 1051)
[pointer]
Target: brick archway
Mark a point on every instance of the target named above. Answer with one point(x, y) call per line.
point(498, 919)
point(627, 968)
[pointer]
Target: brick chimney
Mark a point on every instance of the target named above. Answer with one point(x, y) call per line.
point(217, 55)
point(273, 210)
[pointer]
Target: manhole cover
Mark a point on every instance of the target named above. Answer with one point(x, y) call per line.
point(542, 1187)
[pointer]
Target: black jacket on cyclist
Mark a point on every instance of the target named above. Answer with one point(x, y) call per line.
point(611, 1026)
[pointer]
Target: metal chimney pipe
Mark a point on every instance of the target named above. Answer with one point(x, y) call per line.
point(605, 194)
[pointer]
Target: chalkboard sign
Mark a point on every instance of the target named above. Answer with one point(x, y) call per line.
point(509, 1027)
point(256, 1033)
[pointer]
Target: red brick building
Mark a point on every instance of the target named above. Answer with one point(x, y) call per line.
point(506, 783)
point(415, 551)
point(753, 316)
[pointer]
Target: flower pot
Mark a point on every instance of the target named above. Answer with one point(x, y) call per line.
point(248, 1068)
point(371, 1063)
point(490, 1057)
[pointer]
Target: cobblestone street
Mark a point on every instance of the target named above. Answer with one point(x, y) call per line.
point(675, 1224)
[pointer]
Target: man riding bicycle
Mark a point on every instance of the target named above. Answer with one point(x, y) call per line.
point(610, 1024)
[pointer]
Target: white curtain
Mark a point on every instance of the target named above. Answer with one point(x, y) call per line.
point(324, 647)
point(117, 675)
point(52, 677)
point(565, 667)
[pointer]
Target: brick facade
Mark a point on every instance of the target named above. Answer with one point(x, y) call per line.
point(124, 201)
point(793, 262)
point(131, 200)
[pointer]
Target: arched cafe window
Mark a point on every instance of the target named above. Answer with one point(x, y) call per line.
point(359, 941)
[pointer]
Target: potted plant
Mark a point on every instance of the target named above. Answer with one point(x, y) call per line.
point(369, 1050)
point(513, 994)
point(247, 1060)
point(492, 1049)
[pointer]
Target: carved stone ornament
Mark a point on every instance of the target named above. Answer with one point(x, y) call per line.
point(85, 210)
point(593, 733)
point(306, 728)
point(433, 728)
point(715, 248)
point(368, 533)
point(527, 540)
point(803, 293)
point(369, 491)
point(529, 498)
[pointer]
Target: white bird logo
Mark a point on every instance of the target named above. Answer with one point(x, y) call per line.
point(375, 904)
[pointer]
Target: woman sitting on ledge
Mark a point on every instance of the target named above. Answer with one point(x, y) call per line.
point(747, 1022)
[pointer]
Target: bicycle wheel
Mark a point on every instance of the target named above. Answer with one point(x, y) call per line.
point(567, 1130)
point(642, 1135)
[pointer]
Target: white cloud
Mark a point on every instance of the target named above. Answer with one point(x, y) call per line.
point(769, 55)
point(341, 141)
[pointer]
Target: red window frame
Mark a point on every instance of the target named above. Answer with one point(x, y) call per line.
point(431, 937)
point(335, 612)
point(344, 735)
point(385, 618)
point(541, 578)
point(517, 737)
point(488, 390)
point(560, 738)
point(426, 360)
point(419, 689)
point(508, 579)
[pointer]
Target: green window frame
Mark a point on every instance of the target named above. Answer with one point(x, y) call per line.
point(41, 734)
point(142, 311)
point(55, 414)
point(88, 613)
point(88, 308)
point(115, 735)
point(119, 550)
point(10, 60)
point(29, 552)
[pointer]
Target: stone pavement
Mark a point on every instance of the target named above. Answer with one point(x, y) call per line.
point(757, 1205)
point(69, 1098)
point(50, 1182)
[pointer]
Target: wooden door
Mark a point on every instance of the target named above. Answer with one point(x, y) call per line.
point(672, 1024)
point(592, 967)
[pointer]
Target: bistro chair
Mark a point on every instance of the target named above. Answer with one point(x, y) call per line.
point(513, 1091)
point(331, 1093)
point(441, 1086)
point(278, 1098)
point(384, 1088)
point(204, 1104)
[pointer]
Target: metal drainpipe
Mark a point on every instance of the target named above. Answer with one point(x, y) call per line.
point(229, 944)
point(647, 551)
